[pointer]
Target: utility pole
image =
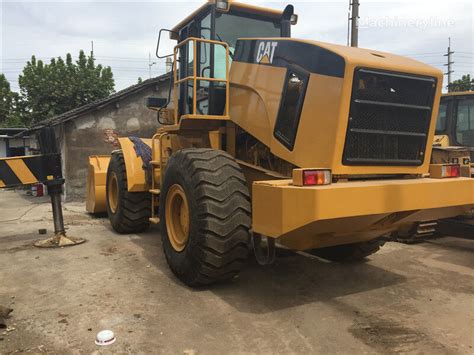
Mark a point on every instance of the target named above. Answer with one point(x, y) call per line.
point(150, 64)
point(449, 63)
point(92, 49)
point(355, 23)
point(349, 23)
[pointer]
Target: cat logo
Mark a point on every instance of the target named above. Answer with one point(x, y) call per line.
point(265, 52)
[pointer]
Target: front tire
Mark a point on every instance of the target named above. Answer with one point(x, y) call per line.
point(205, 216)
point(128, 212)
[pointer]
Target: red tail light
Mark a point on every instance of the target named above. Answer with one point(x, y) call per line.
point(316, 177)
point(441, 171)
point(453, 170)
point(311, 177)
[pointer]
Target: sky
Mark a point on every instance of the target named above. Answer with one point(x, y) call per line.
point(125, 33)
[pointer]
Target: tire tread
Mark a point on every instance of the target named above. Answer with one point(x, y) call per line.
point(223, 220)
point(135, 206)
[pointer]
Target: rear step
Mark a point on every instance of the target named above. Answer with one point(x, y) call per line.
point(420, 232)
point(426, 229)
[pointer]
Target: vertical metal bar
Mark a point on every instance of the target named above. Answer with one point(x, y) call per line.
point(57, 212)
point(227, 81)
point(175, 86)
point(161, 158)
point(194, 42)
point(153, 158)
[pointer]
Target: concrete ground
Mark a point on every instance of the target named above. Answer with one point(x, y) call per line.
point(406, 298)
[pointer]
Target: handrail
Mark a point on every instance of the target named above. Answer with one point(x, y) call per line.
point(205, 40)
point(203, 78)
point(196, 78)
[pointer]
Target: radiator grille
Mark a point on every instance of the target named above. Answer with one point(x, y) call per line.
point(389, 118)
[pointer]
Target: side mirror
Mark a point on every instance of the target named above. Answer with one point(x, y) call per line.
point(167, 45)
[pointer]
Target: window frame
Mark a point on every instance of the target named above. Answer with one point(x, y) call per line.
point(449, 106)
point(289, 142)
point(455, 120)
point(211, 9)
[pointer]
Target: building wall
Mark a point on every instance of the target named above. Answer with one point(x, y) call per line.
point(94, 133)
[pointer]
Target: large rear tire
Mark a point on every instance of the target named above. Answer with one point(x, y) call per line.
point(349, 252)
point(128, 212)
point(204, 216)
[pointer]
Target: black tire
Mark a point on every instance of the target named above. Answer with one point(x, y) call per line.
point(219, 216)
point(349, 252)
point(133, 209)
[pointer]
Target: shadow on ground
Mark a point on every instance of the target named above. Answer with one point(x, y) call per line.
point(293, 280)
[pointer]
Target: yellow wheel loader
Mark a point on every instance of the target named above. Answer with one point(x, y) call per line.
point(265, 138)
point(454, 137)
point(454, 142)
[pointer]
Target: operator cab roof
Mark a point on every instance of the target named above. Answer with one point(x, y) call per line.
point(231, 5)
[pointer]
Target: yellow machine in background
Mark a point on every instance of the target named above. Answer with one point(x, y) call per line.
point(320, 147)
point(453, 144)
point(455, 128)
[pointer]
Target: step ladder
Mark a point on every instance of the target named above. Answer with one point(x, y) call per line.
point(156, 163)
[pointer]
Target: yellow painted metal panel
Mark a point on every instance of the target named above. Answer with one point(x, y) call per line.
point(256, 94)
point(2, 184)
point(215, 139)
point(279, 207)
point(21, 171)
point(96, 183)
point(135, 174)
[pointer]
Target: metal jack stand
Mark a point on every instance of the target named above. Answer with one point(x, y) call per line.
point(59, 239)
point(44, 168)
point(51, 163)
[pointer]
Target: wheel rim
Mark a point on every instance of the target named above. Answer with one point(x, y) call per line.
point(112, 195)
point(177, 217)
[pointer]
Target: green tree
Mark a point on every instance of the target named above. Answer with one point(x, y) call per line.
point(5, 99)
point(62, 85)
point(463, 84)
point(10, 105)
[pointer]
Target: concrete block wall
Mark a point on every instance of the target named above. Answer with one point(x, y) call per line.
point(94, 133)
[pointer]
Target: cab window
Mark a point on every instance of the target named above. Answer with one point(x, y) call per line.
point(230, 27)
point(465, 123)
point(442, 117)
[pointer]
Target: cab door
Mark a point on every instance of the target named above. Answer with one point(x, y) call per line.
point(210, 96)
point(464, 121)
